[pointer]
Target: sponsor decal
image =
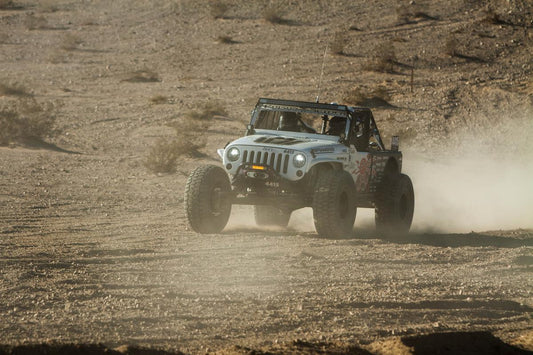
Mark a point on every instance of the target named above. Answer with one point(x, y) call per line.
point(323, 150)
point(363, 171)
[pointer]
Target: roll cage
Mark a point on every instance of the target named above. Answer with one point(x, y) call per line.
point(360, 124)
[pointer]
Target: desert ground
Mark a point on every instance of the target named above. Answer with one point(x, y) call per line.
point(95, 252)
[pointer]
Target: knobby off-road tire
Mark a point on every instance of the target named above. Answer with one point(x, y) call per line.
point(334, 204)
point(206, 210)
point(395, 204)
point(271, 216)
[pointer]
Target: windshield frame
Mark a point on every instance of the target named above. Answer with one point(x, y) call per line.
point(319, 109)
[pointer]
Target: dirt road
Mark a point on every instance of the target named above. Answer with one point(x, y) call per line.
point(80, 269)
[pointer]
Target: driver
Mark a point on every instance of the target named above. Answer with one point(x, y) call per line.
point(289, 121)
point(337, 126)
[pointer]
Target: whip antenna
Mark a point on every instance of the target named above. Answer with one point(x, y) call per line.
point(321, 73)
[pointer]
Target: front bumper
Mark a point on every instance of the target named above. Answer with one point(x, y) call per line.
point(255, 184)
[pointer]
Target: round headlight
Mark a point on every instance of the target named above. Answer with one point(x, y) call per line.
point(233, 154)
point(299, 160)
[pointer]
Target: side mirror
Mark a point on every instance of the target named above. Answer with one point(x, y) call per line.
point(250, 130)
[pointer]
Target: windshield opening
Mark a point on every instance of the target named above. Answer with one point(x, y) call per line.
point(305, 122)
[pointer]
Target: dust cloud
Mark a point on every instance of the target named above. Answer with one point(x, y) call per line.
point(484, 182)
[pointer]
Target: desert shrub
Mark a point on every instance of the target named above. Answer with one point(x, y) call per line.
point(225, 40)
point(24, 120)
point(214, 108)
point(403, 14)
point(383, 58)
point(492, 17)
point(70, 42)
point(191, 135)
point(143, 76)
point(33, 22)
point(189, 139)
point(376, 97)
point(6, 4)
point(273, 14)
point(218, 8)
point(207, 111)
point(450, 46)
point(48, 6)
point(338, 43)
point(163, 156)
point(159, 99)
point(356, 96)
point(412, 12)
point(14, 89)
point(59, 56)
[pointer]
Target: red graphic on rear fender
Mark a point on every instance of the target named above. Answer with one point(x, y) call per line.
point(363, 171)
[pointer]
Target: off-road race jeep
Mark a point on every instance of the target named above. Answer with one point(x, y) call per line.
point(301, 154)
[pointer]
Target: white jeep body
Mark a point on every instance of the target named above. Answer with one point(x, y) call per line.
point(278, 149)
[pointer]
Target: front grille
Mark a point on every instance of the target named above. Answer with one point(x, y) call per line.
point(277, 161)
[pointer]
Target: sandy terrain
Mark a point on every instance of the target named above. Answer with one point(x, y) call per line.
point(94, 248)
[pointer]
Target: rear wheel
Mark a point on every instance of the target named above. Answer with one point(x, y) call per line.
point(271, 216)
point(206, 201)
point(334, 204)
point(395, 204)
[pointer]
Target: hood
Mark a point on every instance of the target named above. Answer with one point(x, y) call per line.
point(290, 140)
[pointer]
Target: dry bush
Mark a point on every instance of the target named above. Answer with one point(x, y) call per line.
point(218, 8)
point(450, 46)
point(6, 4)
point(403, 14)
point(411, 13)
point(59, 56)
point(190, 138)
point(376, 97)
point(48, 6)
point(225, 40)
point(159, 99)
point(383, 58)
point(163, 156)
point(356, 96)
point(207, 111)
point(143, 76)
point(70, 42)
point(273, 14)
point(492, 17)
point(213, 108)
point(14, 89)
point(33, 22)
point(338, 43)
point(25, 120)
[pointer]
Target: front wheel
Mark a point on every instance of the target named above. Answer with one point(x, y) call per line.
point(334, 204)
point(395, 205)
point(206, 200)
point(271, 216)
